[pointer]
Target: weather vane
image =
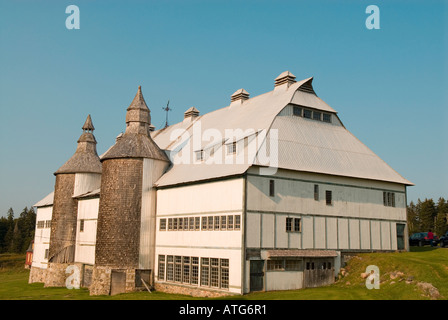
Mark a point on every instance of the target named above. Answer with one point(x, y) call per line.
point(167, 108)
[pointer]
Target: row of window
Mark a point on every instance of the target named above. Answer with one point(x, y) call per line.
point(231, 149)
point(389, 199)
point(283, 265)
point(227, 222)
point(43, 224)
point(300, 111)
point(211, 272)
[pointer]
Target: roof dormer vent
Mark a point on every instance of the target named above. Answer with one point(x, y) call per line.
point(285, 78)
point(240, 94)
point(192, 112)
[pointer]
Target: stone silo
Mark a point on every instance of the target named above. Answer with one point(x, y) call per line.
point(80, 174)
point(126, 217)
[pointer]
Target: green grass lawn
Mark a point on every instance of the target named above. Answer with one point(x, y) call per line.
point(426, 264)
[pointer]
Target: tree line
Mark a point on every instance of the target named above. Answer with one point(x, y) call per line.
point(16, 234)
point(427, 215)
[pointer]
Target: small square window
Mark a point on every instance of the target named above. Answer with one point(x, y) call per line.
point(81, 225)
point(326, 117)
point(231, 148)
point(307, 113)
point(200, 155)
point(297, 111)
point(317, 115)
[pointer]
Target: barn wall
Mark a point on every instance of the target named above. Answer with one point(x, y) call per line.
point(152, 171)
point(356, 220)
point(86, 240)
point(221, 198)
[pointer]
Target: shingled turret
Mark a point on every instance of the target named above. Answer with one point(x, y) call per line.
point(126, 217)
point(80, 174)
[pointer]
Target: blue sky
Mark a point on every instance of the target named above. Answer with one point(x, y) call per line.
point(389, 86)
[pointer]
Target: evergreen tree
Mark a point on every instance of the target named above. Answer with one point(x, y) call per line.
point(3, 230)
point(441, 220)
point(7, 242)
point(427, 215)
point(412, 217)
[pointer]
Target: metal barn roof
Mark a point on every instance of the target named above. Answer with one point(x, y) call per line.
point(47, 201)
point(304, 144)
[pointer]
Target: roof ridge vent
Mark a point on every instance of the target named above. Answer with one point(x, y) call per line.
point(192, 112)
point(285, 77)
point(239, 94)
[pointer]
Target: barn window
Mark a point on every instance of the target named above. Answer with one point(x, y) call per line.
point(191, 223)
point(307, 113)
point(178, 268)
point(237, 222)
point(216, 226)
point(271, 188)
point(288, 224)
point(275, 265)
point(205, 271)
point(297, 224)
point(46, 253)
point(162, 226)
point(200, 155)
point(292, 265)
point(194, 270)
point(81, 225)
point(223, 222)
point(389, 199)
point(197, 223)
point(326, 117)
point(186, 269)
point(224, 273)
point(48, 224)
point(181, 223)
point(231, 148)
point(175, 223)
point(161, 275)
point(328, 197)
point(204, 223)
point(230, 223)
point(316, 192)
point(210, 223)
point(297, 111)
point(170, 224)
point(317, 115)
point(170, 268)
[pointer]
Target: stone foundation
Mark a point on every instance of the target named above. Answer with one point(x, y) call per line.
point(56, 275)
point(37, 275)
point(191, 291)
point(102, 281)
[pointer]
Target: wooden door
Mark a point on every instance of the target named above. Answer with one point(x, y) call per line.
point(256, 275)
point(318, 272)
point(118, 282)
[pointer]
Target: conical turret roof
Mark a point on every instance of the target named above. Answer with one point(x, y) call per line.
point(85, 159)
point(136, 142)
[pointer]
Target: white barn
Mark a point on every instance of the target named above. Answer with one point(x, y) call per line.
point(267, 193)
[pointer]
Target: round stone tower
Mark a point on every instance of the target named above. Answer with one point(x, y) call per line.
point(80, 174)
point(126, 216)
